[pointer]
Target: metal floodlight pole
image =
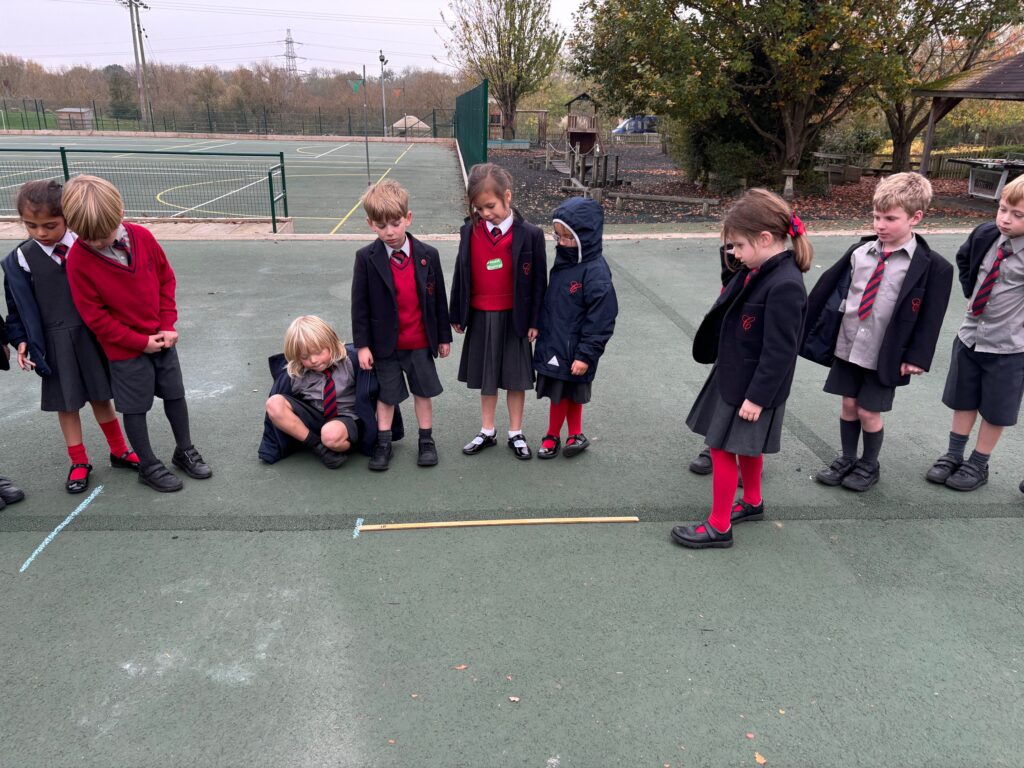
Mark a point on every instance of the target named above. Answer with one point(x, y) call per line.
point(366, 128)
point(383, 101)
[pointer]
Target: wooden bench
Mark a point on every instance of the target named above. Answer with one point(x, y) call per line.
point(705, 203)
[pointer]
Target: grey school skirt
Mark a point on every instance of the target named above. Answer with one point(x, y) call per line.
point(81, 373)
point(723, 429)
point(493, 356)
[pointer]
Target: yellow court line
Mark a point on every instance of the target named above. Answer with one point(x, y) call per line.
point(342, 222)
point(404, 153)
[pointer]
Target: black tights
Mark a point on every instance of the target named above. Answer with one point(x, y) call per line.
point(138, 432)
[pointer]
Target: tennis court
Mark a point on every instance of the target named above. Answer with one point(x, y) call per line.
point(240, 623)
point(324, 179)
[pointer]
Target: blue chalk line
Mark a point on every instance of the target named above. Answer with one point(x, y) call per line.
point(355, 532)
point(78, 510)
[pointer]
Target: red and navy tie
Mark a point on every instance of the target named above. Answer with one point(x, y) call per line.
point(399, 258)
point(61, 251)
point(871, 289)
point(985, 291)
point(119, 245)
point(750, 274)
point(496, 233)
point(330, 395)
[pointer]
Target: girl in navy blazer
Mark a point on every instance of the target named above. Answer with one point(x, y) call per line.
point(752, 334)
point(497, 292)
point(580, 307)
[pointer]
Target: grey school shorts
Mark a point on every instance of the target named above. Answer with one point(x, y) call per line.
point(415, 364)
point(135, 382)
point(985, 382)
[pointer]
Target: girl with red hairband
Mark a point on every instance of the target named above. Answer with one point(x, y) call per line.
point(752, 335)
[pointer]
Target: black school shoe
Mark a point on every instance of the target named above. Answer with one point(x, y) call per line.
point(550, 453)
point(78, 486)
point(575, 444)
point(863, 475)
point(9, 493)
point(381, 458)
point(702, 464)
point(428, 453)
point(473, 448)
point(944, 466)
point(191, 463)
point(523, 451)
point(123, 462)
point(709, 538)
point(835, 472)
point(742, 512)
point(968, 477)
point(330, 459)
point(160, 478)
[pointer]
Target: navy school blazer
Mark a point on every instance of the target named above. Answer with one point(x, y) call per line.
point(23, 316)
point(916, 321)
point(972, 253)
point(375, 308)
point(753, 333)
point(5, 364)
point(530, 267)
point(276, 445)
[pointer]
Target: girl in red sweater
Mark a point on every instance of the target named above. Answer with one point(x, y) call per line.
point(497, 295)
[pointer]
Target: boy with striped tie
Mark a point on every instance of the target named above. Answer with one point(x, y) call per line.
point(986, 372)
point(878, 312)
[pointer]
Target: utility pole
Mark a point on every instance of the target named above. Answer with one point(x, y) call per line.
point(291, 67)
point(133, 16)
point(383, 101)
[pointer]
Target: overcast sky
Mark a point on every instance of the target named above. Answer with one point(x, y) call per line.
point(224, 33)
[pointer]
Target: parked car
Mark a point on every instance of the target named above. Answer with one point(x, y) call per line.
point(637, 124)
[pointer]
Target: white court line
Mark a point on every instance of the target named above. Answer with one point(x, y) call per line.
point(53, 534)
point(166, 149)
point(221, 197)
point(203, 149)
point(317, 157)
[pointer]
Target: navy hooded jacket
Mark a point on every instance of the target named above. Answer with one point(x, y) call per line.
point(580, 304)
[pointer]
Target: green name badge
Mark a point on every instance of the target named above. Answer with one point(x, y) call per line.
point(494, 264)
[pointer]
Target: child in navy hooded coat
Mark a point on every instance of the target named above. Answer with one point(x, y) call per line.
point(576, 322)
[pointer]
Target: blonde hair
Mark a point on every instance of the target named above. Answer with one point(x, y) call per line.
point(757, 211)
point(306, 336)
point(1013, 192)
point(486, 177)
point(910, 191)
point(386, 201)
point(93, 207)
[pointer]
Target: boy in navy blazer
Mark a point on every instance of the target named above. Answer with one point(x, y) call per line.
point(399, 318)
point(875, 318)
point(986, 372)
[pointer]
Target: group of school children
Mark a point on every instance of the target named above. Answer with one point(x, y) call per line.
point(91, 309)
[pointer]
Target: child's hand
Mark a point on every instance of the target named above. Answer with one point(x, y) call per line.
point(365, 359)
point(23, 359)
point(532, 334)
point(170, 338)
point(579, 368)
point(750, 411)
point(444, 349)
point(907, 368)
point(155, 343)
point(457, 328)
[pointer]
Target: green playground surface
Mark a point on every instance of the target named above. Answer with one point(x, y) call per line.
point(240, 622)
point(325, 179)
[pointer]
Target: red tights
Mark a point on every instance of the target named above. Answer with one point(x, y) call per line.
point(725, 480)
point(562, 411)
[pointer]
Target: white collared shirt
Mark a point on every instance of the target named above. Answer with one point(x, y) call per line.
point(406, 248)
point(505, 226)
point(68, 240)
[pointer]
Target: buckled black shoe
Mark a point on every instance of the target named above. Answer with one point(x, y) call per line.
point(702, 464)
point(968, 477)
point(428, 453)
point(943, 467)
point(742, 512)
point(330, 459)
point(160, 478)
point(834, 473)
point(478, 443)
point(381, 458)
point(520, 448)
point(863, 475)
point(79, 485)
point(191, 463)
point(575, 444)
point(550, 453)
point(9, 493)
point(124, 462)
point(709, 538)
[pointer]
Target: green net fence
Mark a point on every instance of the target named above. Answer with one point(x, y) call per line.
point(471, 125)
point(160, 184)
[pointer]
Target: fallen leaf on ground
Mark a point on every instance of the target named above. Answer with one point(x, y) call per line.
point(391, 741)
point(782, 711)
point(509, 678)
point(759, 758)
point(461, 667)
point(750, 735)
point(514, 699)
point(415, 695)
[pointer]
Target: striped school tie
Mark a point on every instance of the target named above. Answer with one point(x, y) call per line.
point(399, 258)
point(119, 245)
point(750, 274)
point(61, 252)
point(871, 289)
point(985, 291)
point(330, 395)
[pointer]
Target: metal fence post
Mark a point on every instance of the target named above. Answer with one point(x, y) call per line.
point(209, 117)
point(284, 184)
point(273, 208)
point(320, 120)
point(64, 163)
